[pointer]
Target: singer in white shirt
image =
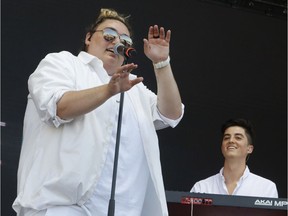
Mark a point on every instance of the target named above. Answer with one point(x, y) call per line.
point(70, 127)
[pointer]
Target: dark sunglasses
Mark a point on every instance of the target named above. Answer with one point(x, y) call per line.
point(111, 34)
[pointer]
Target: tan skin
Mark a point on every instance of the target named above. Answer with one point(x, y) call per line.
point(235, 148)
point(75, 103)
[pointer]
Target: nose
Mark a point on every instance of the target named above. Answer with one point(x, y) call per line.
point(117, 40)
point(231, 140)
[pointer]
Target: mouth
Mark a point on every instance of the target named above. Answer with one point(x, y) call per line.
point(110, 50)
point(231, 147)
point(111, 53)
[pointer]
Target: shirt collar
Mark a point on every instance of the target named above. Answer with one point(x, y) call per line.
point(96, 64)
point(87, 58)
point(245, 174)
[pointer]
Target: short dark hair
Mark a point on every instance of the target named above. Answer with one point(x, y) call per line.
point(240, 122)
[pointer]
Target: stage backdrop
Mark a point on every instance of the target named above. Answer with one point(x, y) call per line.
point(228, 61)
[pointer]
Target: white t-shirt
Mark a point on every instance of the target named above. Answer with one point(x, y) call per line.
point(132, 172)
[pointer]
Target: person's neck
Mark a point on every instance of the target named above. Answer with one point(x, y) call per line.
point(233, 170)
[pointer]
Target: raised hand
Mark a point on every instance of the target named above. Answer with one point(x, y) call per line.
point(156, 47)
point(120, 81)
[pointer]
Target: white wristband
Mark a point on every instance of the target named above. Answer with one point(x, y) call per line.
point(162, 63)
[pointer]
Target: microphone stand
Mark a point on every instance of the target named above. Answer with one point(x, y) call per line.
point(111, 207)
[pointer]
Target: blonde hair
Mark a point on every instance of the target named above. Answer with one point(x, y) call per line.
point(111, 13)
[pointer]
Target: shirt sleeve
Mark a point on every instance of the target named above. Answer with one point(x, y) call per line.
point(52, 78)
point(169, 122)
point(196, 188)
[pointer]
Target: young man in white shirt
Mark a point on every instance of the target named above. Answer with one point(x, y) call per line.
point(235, 177)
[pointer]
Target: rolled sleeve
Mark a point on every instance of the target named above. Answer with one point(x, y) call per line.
point(168, 122)
point(52, 110)
point(47, 85)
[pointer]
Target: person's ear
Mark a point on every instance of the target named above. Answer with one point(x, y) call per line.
point(88, 38)
point(250, 149)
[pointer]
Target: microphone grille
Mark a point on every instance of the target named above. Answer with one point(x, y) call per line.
point(118, 49)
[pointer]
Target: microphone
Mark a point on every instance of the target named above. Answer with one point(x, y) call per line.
point(126, 52)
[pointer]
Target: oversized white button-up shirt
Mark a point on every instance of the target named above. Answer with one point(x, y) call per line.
point(61, 161)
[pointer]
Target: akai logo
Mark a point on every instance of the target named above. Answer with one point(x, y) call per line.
point(263, 202)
